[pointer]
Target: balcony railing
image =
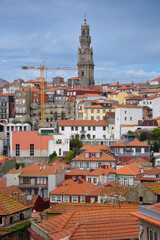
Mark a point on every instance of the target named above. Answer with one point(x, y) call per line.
point(146, 154)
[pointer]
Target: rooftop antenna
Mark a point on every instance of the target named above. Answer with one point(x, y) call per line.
point(85, 16)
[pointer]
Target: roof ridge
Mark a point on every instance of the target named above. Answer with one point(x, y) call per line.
point(73, 212)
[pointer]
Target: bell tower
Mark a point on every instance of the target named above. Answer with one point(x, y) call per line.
point(85, 58)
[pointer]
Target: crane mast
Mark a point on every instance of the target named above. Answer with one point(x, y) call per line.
point(42, 68)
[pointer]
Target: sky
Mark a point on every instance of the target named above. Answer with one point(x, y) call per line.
point(125, 37)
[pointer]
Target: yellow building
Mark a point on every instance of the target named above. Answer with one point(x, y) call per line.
point(118, 96)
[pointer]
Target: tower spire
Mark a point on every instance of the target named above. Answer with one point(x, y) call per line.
point(85, 58)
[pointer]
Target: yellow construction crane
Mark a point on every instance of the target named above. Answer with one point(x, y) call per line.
point(42, 67)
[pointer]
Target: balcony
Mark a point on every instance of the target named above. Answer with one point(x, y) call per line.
point(128, 154)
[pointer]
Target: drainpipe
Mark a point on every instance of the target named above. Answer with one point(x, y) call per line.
point(141, 231)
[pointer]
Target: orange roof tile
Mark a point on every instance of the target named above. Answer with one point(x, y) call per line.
point(118, 144)
point(128, 106)
point(146, 218)
point(82, 123)
point(136, 143)
point(40, 170)
point(131, 169)
point(76, 172)
point(81, 187)
point(104, 157)
point(9, 205)
point(156, 79)
point(138, 160)
point(94, 106)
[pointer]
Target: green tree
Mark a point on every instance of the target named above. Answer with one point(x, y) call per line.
point(156, 133)
point(52, 157)
point(143, 136)
point(15, 121)
point(69, 156)
point(155, 147)
point(130, 132)
point(75, 144)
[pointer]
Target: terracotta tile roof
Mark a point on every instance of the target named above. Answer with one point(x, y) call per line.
point(81, 187)
point(156, 79)
point(104, 157)
point(41, 170)
point(87, 146)
point(108, 189)
point(118, 144)
point(94, 106)
point(153, 171)
point(131, 169)
point(155, 187)
point(65, 207)
point(9, 190)
point(76, 172)
point(9, 205)
point(128, 106)
point(155, 207)
point(138, 160)
point(146, 218)
point(136, 143)
point(3, 182)
point(105, 170)
point(82, 123)
point(92, 149)
point(93, 224)
point(67, 182)
point(104, 147)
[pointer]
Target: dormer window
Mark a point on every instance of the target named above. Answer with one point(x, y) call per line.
point(93, 155)
point(97, 155)
point(87, 155)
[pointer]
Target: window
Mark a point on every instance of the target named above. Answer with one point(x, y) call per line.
point(62, 128)
point(11, 220)
point(74, 198)
point(92, 110)
point(59, 198)
point(93, 155)
point(125, 118)
point(140, 199)
point(53, 198)
point(89, 179)
point(17, 149)
point(60, 152)
point(94, 180)
point(94, 128)
point(82, 199)
point(98, 111)
point(89, 128)
point(31, 149)
point(130, 118)
point(72, 128)
point(153, 235)
point(65, 198)
point(76, 128)
point(86, 155)
point(104, 111)
point(21, 180)
point(83, 33)
point(92, 117)
point(104, 128)
point(21, 216)
point(97, 155)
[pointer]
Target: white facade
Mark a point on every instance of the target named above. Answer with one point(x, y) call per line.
point(153, 104)
point(60, 145)
point(12, 179)
point(1, 146)
point(126, 116)
point(86, 132)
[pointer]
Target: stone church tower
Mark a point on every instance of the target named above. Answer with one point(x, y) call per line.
point(85, 58)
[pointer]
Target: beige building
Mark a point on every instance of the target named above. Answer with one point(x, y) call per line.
point(118, 96)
